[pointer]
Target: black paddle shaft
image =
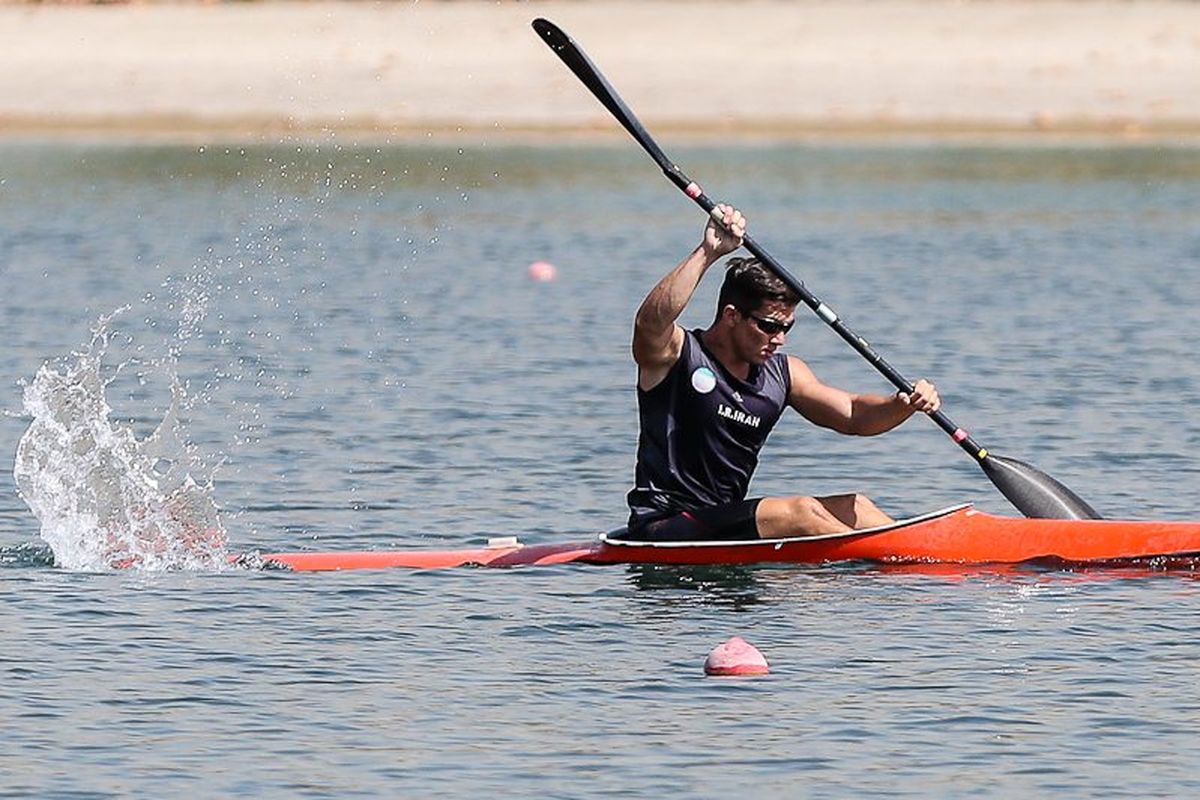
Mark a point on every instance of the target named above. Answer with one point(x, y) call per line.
point(1032, 491)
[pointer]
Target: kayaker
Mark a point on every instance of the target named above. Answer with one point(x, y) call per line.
point(707, 399)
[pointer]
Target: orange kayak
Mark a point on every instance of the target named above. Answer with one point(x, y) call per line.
point(956, 535)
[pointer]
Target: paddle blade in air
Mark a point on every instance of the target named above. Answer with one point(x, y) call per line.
point(1033, 492)
point(577, 61)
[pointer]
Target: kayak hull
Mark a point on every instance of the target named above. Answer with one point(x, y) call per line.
point(958, 535)
point(510, 556)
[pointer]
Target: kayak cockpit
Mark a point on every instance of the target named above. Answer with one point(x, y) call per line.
point(618, 538)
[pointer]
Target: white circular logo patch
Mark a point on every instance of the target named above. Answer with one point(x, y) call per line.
point(703, 380)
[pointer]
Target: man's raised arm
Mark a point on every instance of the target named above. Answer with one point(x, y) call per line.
point(657, 340)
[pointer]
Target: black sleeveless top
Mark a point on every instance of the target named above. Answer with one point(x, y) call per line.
point(701, 430)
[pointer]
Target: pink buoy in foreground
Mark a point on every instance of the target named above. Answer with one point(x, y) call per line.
point(735, 657)
point(542, 271)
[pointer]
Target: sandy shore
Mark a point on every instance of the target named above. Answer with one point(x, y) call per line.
point(757, 66)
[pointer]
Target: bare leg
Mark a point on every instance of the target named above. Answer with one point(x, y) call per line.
point(810, 516)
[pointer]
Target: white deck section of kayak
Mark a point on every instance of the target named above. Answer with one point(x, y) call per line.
point(608, 539)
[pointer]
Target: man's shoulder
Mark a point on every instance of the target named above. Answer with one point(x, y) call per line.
point(794, 365)
point(654, 371)
point(781, 364)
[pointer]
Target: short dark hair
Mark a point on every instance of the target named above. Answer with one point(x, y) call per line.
point(748, 284)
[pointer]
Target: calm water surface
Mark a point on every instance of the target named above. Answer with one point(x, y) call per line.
point(375, 369)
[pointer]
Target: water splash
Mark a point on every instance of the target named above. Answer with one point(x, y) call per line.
point(106, 499)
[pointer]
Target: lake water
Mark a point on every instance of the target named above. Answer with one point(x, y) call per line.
point(365, 363)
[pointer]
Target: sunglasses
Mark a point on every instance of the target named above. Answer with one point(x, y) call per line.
point(769, 326)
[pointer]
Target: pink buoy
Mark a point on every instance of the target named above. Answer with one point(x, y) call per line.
point(542, 271)
point(735, 657)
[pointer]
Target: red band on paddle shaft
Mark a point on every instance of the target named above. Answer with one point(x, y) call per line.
point(693, 190)
point(959, 435)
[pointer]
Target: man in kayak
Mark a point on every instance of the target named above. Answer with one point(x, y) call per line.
point(707, 399)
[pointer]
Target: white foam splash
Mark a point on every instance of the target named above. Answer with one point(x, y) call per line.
point(104, 498)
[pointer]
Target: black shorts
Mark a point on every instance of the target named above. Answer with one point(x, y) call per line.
point(730, 522)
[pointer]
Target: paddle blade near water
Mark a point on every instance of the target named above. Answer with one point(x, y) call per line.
point(1033, 492)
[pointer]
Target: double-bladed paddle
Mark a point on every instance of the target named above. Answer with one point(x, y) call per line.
point(1033, 492)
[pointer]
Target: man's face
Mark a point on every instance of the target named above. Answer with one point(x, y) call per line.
point(760, 333)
